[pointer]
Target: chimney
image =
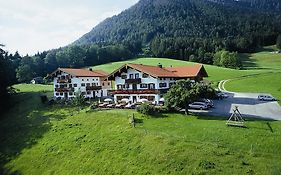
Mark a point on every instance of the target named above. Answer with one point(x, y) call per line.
point(160, 65)
point(90, 69)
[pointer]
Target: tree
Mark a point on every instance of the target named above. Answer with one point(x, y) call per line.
point(24, 73)
point(278, 43)
point(181, 95)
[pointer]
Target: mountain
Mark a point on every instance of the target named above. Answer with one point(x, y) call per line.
point(224, 20)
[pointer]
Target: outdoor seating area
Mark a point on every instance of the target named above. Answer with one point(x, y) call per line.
point(124, 103)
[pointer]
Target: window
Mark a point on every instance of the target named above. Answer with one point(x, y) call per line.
point(88, 84)
point(82, 79)
point(83, 84)
point(57, 94)
point(83, 93)
point(70, 85)
point(143, 86)
point(97, 79)
point(137, 76)
point(127, 86)
point(164, 79)
point(124, 76)
point(57, 86)
point(87, 79)
point(108, 83)
point(144, 75)
point(89, 92)
point(151, 86)
point(75, 85)
point(171, 84)
point(70, 93)
point(102, 84)
point(131, 76)
point(93, 79)
point(162, 85)
point(61, 94)
point(119, 87)
point(94, 84)
point(160, 79)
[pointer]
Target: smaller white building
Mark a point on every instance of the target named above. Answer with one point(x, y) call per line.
point(90, 83)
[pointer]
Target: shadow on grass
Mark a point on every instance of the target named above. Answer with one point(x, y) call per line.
point(21, 127)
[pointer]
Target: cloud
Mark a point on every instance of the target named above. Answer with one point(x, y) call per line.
point(37, 25)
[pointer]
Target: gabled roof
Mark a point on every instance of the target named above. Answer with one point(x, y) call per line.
point(188, 71)
point(159, 72)
point(81, 72)
point(154, 71)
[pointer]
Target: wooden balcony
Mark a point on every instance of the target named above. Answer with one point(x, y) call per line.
point(62, 81)
point(145, 91)
point(93, 88)
point(64, 89)
point(133, 81)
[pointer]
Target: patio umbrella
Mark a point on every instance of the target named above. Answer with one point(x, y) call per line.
point(143, 100)
point(162, 99)
point(126, 100)
point(108, 100)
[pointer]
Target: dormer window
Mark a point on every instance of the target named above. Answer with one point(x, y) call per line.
point(131, 76)
point(124, 77)
point(144, 75)
point(137, 76)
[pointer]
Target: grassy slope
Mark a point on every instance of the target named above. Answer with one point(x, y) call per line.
point(56, 140)
point(265, 83)
point(215, 73)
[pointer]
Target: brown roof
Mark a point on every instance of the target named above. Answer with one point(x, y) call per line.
point(172, 72)
point(188, 71)
point(152, 70)
point(82, 72)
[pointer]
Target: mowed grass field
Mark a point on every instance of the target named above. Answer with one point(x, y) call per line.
point(265, 83)
point(39, 139)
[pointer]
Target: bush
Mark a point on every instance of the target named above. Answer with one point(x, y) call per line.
point(146, 109)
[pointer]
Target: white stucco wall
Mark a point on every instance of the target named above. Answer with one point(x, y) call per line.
point(94, 81)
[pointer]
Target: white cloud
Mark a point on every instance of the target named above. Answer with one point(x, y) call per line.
point(37, 25)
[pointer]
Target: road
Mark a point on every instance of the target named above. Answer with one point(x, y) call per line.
point(248, 105)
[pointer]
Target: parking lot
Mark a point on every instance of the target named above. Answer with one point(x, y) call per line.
point(248, 104)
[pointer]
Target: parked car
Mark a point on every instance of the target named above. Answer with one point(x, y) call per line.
point(266, 98)
point(198, 105)
point(209, 102)
point(221, 95)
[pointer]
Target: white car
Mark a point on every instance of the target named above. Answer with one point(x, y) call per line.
point(198, 105)
point(266, 98)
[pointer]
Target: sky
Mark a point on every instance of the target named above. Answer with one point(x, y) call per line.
point(29, 26)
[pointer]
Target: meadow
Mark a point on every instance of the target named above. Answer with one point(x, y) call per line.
point(40, 139)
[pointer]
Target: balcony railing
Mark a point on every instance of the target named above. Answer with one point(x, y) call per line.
point(133, 81)
point(64, 89)
point(146, 91)
point(64, 81)
point(93, 88)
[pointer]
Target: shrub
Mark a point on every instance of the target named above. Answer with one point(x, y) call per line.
point(146, 109)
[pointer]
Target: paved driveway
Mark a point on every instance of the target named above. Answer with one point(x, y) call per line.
point(248, 106)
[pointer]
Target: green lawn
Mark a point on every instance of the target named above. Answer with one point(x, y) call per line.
point(264, 59)
point(39, 139)
point(266, 83)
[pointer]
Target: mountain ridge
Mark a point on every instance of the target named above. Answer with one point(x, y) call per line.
point(182, 18)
